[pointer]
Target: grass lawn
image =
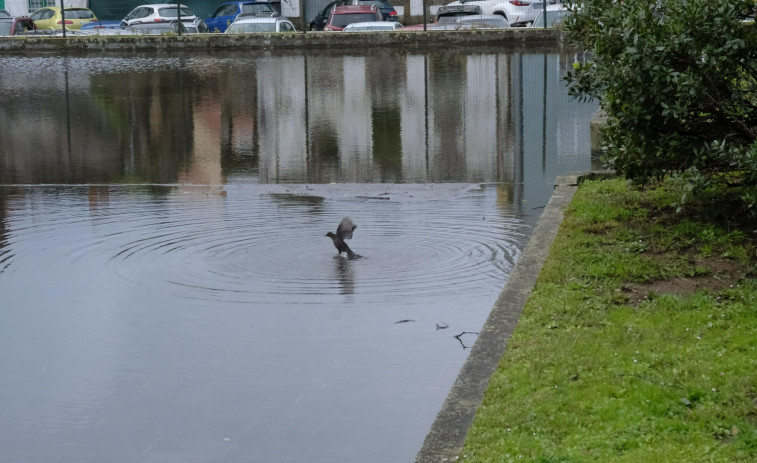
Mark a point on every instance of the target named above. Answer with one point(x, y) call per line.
point(638, 344)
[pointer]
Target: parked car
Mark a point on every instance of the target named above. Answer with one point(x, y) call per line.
point(251, 24)
point(482, 21)
point(388, 13)
point(196, 27)
point(5, 14)
point(101, 25)
point(15, 26)
point(373, 26)
point(447, 16)
point(161, 12)
point(322, 17)
point(227, 12)
point(516, 12)
point(50, 17)
point(158, 28)
point(341, 16)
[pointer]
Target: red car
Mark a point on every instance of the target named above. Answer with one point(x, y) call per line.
point(341, 16)
point(19, 25)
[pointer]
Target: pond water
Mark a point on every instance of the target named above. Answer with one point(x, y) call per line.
point(168, 293)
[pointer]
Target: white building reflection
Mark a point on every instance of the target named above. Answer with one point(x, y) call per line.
point(378, 116)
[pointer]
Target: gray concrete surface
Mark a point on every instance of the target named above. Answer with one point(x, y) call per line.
point(445, 440)
point(517, 36)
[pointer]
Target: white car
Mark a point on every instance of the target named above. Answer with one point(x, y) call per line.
point(251, 24)
point(482, 21)
point(373, 26)
point(160, 12)
point(516, 12)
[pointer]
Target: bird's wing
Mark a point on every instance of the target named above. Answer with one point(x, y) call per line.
point(345, 229)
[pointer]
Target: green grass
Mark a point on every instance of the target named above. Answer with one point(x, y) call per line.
point(593, 374)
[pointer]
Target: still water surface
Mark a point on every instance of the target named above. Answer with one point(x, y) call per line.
point(167, 290)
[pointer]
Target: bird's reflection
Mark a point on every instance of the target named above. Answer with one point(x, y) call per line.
point(345, 275)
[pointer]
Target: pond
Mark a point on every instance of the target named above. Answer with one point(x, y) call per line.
point(168, 293)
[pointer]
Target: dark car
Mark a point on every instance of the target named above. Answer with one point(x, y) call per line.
point(388, 13)
point(227, 12)
point(14, 26)
point(320, 19)
point(343, 15)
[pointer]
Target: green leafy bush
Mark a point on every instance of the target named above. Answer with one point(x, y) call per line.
point(678, 80)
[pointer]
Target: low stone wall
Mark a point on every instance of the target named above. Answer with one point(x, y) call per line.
point(514, 37)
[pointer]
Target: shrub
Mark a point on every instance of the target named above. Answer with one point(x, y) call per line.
point(678, 80)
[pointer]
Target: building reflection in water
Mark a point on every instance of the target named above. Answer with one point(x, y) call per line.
point(448, 116)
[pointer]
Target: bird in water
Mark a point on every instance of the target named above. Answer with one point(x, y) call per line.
point(343, 232)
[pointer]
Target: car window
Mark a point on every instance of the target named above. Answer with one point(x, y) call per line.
point(341, 20)
point(43, 14)
point(286, 27)
point(139, 13)
point(171, 12)
point(261, 8)
point(79, 14)
point(219, 11)
point(22, 26)
point(36, 16)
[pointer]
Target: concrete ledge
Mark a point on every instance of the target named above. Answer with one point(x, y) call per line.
point(312, 40)
point(447, 435)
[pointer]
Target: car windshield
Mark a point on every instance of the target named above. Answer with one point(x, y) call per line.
point(171, 12)
point(253, 27)
point(341, 20)
point(78, 13)
point(5, 27)
point(259, 8)
point(451, 18)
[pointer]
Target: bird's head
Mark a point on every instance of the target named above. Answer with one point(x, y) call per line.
point(330, 235)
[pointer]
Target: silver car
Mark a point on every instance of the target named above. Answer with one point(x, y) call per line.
point(373, 26)
point(251, 24)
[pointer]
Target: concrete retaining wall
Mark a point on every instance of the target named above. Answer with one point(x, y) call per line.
point(514, 37)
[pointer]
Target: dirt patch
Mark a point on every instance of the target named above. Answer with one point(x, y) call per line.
point(720, 274)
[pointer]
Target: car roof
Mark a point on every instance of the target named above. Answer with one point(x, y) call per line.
point(373, 23)
point(258, 19)
point(57, 8)
point(159, 5)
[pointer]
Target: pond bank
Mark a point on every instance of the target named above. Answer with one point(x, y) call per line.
point(447, 435)
point(637, 343)
point(310, 40)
